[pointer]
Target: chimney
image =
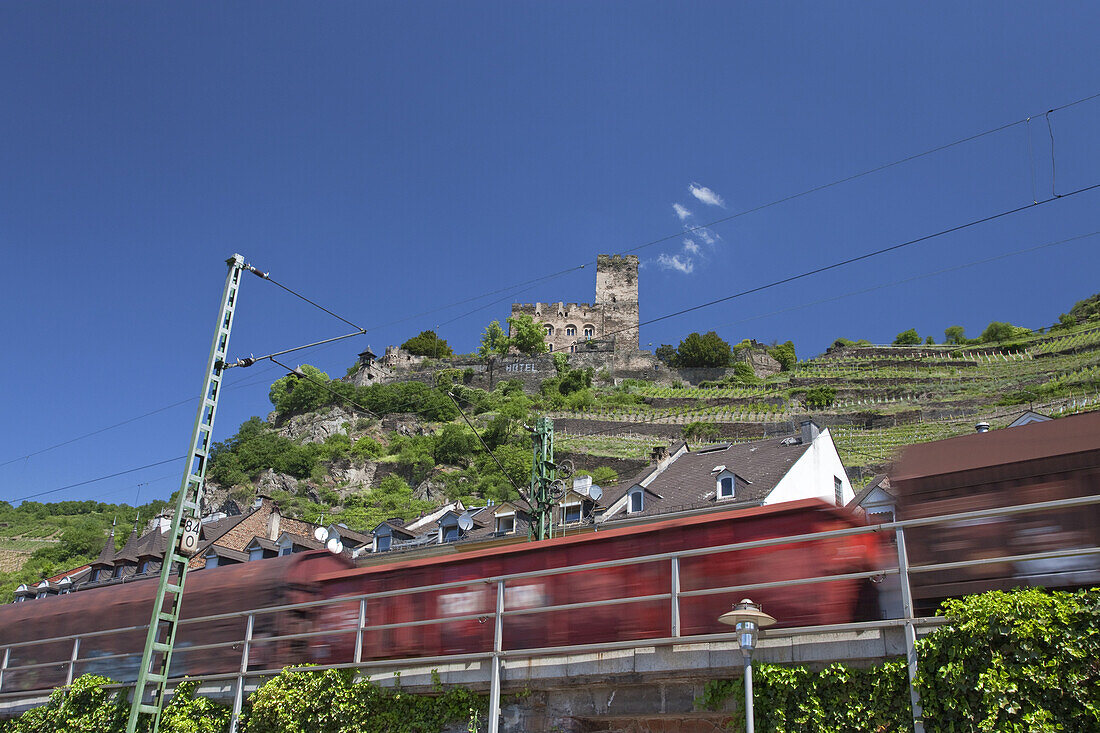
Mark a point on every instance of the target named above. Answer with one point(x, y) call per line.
point(810, 431)
point(982, 427)
point(659, 453)
point(273, 522)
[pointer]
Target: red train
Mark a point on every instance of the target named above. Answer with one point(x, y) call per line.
point(315, 575)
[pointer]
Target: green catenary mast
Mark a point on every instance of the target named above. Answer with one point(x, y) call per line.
point(184, 535)
point(543, 474)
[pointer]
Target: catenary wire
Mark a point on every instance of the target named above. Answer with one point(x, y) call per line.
point(99, 478)
point(490, 452)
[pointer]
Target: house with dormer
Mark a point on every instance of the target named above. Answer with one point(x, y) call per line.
point(733, 475)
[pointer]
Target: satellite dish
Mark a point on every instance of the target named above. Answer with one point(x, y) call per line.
point(594, 492)
point(335, 546)
point(320, 534)
point(465, 522)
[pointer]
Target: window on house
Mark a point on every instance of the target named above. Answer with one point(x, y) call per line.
point(450, 534)
point(96, 574)
point(549, 330)
point(572, 348)
point(211, 562)
point(144, 567)
point(383, 542)
point(725, 488)
point(118, 571)
point(41, 594)
point(570, 330)
point(506, 525)
point(256, 553)
point(838, 490)
point(589, 332)
point(286, 550)
point(20, 599)
point(571, 513)
point(636, 502)
point(549, 347)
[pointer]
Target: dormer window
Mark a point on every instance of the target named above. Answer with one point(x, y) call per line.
point(119, 570)
point(725, 487)
point(571, 513)
point(382, 542)
point(211, 562)
point(506, 524)
point(637, 502)
point(144, 567)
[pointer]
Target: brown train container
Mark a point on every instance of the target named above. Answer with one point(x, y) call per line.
point(1031, 463)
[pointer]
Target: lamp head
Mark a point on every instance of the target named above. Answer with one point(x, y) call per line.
point(747, 618)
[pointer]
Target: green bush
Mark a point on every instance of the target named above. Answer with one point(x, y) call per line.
point(697, 431)
point(784, 354)
point(1020, 662)
point(820, 397)
point(907, 338)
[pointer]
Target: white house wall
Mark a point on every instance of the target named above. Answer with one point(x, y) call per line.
point(811, 476)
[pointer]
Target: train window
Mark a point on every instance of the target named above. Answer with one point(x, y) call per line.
point(636, 502)
point(725, 487)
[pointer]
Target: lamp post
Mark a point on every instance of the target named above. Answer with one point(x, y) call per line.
point(747, 618)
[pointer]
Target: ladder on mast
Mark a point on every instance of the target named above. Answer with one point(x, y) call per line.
point(184, 535)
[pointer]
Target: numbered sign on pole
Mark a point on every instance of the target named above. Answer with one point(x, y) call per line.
point(189, 536)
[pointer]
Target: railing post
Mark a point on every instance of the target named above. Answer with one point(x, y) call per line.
point(4, 665)
point(675, 597)
point(494, 678)
point(72, 661)
point(238, 695)
point(910, 631)
point(359, 630)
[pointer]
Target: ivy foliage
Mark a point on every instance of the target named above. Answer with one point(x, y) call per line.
point(331, 701)
point(1025, 661)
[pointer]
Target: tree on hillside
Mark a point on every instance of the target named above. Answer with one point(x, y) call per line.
point(954, 335)
point(706, 350)
point(528, 336)
point(908, 338)
point(998, 331)
point(666, 353)
point(1086, 309)
point(293, 395)
point(427, 343)
point(1065, 322)
point(784, 354)
point(494, 341)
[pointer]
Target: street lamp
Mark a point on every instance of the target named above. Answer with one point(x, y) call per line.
point(747, 618)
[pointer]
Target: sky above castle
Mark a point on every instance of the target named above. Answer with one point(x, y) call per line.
point(393, 161)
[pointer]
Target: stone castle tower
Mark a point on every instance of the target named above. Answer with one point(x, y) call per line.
point(611, 319)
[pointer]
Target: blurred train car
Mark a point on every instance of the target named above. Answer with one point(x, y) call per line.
point(467, 609)
point(222, 590)
point(1040, 461)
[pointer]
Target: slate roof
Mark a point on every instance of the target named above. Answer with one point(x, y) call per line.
point(688, 482)
point(129, 550)
point(107, 554)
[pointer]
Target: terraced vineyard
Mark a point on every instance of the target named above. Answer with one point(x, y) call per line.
point(874, 399)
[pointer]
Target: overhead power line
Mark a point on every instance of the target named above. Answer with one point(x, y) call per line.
point(99, 478)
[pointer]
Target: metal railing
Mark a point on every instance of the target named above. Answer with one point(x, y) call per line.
point(498, 654)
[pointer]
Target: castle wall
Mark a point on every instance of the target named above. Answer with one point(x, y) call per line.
point(613, 314)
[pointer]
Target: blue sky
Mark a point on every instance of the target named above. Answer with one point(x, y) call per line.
point(391, 159)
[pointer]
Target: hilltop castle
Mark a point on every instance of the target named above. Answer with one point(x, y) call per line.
point(612, 319)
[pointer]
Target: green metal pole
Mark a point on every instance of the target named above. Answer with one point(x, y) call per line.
point(183, 536)
point(543, 474)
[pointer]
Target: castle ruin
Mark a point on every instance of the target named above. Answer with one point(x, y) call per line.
point(612, 320)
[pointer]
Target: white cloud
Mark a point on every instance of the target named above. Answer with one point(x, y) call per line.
point(691, 246)
point(706, 235)
point(706, 195)
point(676, 262)
point(681, 211)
